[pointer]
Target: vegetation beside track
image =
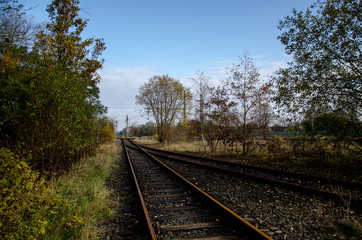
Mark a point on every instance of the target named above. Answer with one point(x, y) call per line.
point(69, 206)
point(317, 156)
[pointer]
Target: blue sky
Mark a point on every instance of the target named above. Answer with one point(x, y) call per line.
point(178, 38)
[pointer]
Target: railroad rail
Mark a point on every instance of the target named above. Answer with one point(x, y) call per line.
point(175, 208)
point(333, 189)
point(129, 220)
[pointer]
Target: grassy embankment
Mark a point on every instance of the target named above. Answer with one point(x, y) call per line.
point(83, 187)
point(69, 206)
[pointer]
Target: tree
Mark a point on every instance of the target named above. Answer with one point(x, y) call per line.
point(331, 124)
point(250, 94)
point(264, 116)
point(165, 97)
point(17, 28)
point(63, 43)
point(49, 96)
point(202, 91)
point(107, 135)
point(8, 5)
point(221, 118)
point(325, 42)
point(147, 129)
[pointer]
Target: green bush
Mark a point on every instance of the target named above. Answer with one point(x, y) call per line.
point(28, 210)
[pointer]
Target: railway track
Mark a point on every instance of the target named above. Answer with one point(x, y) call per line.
point(174, 208)
point(333, 189)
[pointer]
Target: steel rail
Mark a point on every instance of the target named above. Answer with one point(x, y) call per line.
point(233, 217)
point(143, 203)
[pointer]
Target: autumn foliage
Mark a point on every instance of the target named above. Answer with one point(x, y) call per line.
point(49, 97)
point(49, 110)
point(167, 99)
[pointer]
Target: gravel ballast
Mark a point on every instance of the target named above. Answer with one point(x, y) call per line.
point(280, 213)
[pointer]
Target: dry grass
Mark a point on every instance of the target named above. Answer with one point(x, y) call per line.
point(191, 146)
point(146, 140)
point(195, 146)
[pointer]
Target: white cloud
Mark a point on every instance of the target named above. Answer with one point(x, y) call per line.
point(268, 66)
point(218, 70)
point(119, 87)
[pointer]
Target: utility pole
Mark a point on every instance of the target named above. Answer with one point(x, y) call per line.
point(127, 124)
point(116, 127)
point(202, 111)
point(184, 108)
point(148, 113)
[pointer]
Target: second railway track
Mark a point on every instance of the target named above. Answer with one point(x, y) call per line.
point(334, 189)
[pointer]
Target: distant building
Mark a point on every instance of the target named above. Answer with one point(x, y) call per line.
point(278, 128)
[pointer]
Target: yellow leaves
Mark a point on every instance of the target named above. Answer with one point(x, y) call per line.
point(63, 39)
point(77, 220)
point(107, 134)
point(8, 61)
point(42, 222)
point(268, 157)
point(279, 138)
point(74, 220)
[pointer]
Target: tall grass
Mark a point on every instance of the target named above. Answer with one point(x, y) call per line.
point(192, 146)
point(146, 140)
point(195, 146)
point(84, 188)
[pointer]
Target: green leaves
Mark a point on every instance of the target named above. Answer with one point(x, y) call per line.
point(49, 94)
point(333, 124)
point(49, 109)
point(325, 42)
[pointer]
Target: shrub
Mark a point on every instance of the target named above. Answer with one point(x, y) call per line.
point(27, 209)
point(107, 134)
